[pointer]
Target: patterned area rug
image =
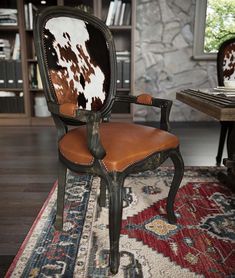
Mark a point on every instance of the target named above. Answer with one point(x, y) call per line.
point(202, 244)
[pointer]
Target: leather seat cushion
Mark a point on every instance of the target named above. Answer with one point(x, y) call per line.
point(125, 144)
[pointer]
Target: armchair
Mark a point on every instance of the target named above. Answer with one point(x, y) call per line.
point(225, 71)
point(77, 62)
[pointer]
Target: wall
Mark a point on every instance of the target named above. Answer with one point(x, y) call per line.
point(163, 57)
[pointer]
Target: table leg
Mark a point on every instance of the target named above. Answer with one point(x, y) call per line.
point(229, 177)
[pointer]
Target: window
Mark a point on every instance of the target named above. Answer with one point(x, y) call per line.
point(214, 23)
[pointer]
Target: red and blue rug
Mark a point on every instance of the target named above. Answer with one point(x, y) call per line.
point(202, 244)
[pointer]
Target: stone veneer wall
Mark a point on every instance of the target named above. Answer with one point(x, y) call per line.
point(163, 57)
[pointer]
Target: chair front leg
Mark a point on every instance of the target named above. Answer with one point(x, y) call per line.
point(115, 187)
point(178, 175)
point(60, 196)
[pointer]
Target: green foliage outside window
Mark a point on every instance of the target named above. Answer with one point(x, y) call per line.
point(220, 23)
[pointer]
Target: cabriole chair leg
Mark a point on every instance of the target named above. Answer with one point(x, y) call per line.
point(60, 196)
point(115, 220)
point(102, 197)
point(178, 175)
point(223, 133)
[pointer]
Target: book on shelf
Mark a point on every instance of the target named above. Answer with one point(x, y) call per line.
point(119, 73)
point(39, 79)
point(16, 48)
point(8, 17)
point(33, 76)
point(18, 74)
point(127, 14)
point(3, 74)
point(126, 73)
point(108, 19)
point(26, 16)
point(110, 15)
point(122, 13)
point(10, 74)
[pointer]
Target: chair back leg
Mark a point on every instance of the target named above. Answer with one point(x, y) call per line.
point(60, 196)
point(178, 175)
point(223, 133)
point(102, 197)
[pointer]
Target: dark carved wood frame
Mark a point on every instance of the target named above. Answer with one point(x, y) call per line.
point(111, 182)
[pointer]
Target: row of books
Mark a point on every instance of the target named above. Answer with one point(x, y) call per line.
point(11, 102)
point(29, 13)
point(119, 13)
point(8, 17)
point(11, 74)
point(123, 69)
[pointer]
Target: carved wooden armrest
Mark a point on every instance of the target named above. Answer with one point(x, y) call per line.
point(92, 120)
point(147, 99)
point(164, 104)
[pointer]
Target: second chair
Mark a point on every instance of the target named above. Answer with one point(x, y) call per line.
point(225, 71)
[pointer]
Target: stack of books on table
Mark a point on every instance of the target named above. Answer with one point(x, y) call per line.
point(119, 13)
point(8, 17)
point(123, 69)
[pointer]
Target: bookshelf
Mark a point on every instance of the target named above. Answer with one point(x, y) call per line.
point(19, 104)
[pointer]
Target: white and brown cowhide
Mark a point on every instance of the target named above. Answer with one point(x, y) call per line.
point(78, 62)
point(229, 62)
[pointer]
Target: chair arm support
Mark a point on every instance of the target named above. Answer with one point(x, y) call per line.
point(146, 99)
point(93, 136)
point(92, 120)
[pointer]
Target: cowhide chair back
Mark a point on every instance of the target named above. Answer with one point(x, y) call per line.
point(226, 61)
point(225, 71)
point(77, 62)
point(78, 69)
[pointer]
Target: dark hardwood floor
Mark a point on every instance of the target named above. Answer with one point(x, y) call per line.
point(28, 170)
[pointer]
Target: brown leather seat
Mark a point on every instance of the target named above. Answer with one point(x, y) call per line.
point(125, 144)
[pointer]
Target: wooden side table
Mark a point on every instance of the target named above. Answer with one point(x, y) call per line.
point(222, 108)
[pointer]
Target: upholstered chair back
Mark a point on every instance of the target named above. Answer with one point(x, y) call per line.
point(78, 61)
point(226, 61)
